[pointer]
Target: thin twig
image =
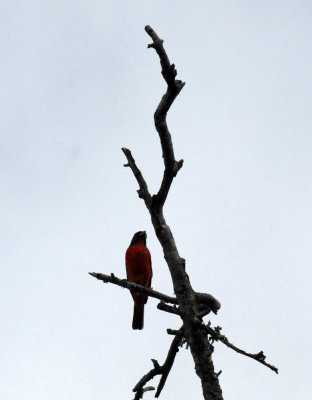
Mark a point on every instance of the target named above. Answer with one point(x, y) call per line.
point(143, 192)
point(216, 335)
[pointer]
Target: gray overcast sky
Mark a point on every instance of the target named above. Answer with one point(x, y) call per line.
point(77, 84)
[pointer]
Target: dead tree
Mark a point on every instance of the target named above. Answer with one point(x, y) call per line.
point(189, 305)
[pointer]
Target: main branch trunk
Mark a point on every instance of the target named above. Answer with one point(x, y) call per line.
point(200, 347)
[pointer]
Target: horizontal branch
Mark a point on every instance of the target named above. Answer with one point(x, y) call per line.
point(206, 301)
point(133, 286)
point(216, 336)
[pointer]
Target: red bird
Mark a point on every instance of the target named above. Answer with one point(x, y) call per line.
point(139, 270)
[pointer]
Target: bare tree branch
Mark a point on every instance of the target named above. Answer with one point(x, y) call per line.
point(174, 348)
point(216, 336)
point(162, 370)
point(133, 286)
point(143, 191)
point(174, 87)
point(207, 301)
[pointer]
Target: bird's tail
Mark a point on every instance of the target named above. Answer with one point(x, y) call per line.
point(138, 316)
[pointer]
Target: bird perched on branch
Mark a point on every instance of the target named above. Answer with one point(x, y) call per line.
point(139, 270)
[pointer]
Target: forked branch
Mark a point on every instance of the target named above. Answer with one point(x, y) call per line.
point(162, 370)
point(173, 89)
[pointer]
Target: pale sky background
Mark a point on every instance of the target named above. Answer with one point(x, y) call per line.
point(77, 84)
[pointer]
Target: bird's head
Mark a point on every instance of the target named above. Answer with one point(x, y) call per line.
point(139, 237)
